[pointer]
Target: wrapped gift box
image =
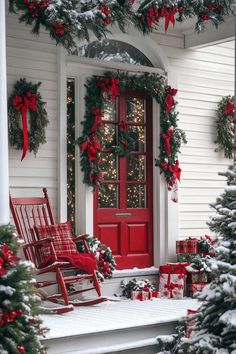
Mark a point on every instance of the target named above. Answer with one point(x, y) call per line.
point(192, 289)
point(189, 245)
point(172, 279)
point(186, 257)
point(144, 295)
point(197, 277)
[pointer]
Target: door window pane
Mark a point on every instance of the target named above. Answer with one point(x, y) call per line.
point(136, 196)
point(109, 165)
point(135, 110)
point(108, 136)
point(107, 196)
point(137, 133)
point(110, 111)
point(136, 168)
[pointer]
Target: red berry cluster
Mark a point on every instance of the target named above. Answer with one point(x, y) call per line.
point(103, 266)
point(36, 7)
point(106, 11)
point(7, 258)
point(59, 29)
point(9, 317)
point(214, 9)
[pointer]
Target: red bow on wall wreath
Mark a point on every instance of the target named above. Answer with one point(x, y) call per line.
point(225, 126)
point(68, 20)
point(100, 90)
point(25, 101)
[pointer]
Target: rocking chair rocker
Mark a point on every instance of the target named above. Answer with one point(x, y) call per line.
point(30, 213)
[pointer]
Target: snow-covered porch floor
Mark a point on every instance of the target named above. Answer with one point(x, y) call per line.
point(114, 327)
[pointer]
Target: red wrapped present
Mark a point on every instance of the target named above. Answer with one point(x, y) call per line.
point(154, 294)
point(190, 322)
point(192, 289)
point(189, 245)
point(140, 295)
point(197, 277)
point(172, 279)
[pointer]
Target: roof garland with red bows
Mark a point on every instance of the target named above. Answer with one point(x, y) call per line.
point(225, 126)
point(70, 20)
point(108, 88)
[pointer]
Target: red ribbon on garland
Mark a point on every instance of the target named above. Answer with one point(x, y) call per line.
point(230, 108)
point(169, 101)
point(169, 15)
point(110, 86)
point(167, 137)
point(174, 169)
point(92, 147)
point(98, 116)
point(23, 103)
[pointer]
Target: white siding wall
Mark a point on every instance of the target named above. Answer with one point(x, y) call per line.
point(204, 76)
point(34, 58)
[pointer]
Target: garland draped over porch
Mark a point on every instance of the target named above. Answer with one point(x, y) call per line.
point(100, 89)
point(70, 20)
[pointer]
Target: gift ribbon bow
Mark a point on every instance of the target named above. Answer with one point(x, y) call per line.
point(23, 103)
point(229, 109)
point(169, 101)
point(110, 86)
point(167, 137)
point(171, 286)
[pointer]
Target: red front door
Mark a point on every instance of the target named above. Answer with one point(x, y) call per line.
point(123, 208)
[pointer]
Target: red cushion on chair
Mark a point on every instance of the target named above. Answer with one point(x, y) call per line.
point(62, 238)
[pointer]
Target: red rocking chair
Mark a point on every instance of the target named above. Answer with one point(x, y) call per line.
point(30, 213)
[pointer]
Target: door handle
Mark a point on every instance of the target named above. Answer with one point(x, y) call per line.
point(123, 214)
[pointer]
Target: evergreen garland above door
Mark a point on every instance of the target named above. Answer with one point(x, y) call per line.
point(108, 88)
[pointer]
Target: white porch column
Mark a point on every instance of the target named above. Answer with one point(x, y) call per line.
point(4, 175)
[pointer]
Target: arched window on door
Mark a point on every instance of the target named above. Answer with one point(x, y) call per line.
point(113, 50)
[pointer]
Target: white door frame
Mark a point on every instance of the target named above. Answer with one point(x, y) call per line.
point(165, 212)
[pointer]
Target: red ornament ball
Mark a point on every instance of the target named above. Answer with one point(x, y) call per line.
point(21, 349)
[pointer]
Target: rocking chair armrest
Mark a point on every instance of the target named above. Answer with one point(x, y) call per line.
point(38, 243)
point(81, 237)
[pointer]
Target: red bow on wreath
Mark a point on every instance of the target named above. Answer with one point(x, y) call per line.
point(23, 103)
point(229, 109)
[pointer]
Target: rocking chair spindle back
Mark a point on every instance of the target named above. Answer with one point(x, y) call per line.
point(29, 213)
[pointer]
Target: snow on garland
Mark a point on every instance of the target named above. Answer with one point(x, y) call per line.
point(225, 126)
point(25, 99)
point(101, 89)
point(105, 260)
point(68, 20)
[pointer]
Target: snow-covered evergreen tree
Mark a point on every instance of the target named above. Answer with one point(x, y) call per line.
point(214, 331)
point(20, 325)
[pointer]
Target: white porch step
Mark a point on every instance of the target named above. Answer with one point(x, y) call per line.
point(114, 327)
point(111, 287)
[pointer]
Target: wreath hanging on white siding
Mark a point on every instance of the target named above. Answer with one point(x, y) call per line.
point(26, 134)
point(225, 126)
